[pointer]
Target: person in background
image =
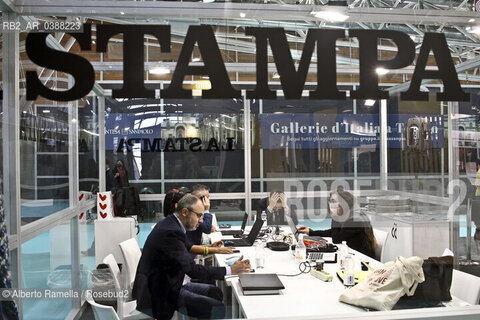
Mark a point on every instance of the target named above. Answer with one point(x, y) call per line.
point(160, 282)
point(120, 174)
point(275, 206)
point(109, 178)
point(355, 230)
point(170, 205)
point(203, 193)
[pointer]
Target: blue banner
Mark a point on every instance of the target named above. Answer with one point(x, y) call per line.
point(129, 126)
point(313, 131)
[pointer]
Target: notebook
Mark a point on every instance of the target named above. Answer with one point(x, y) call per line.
point(236, 232)
point(246, 241)
point(260, 283)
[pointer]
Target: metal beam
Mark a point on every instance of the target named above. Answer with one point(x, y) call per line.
point(199, 10)
point(11, 144)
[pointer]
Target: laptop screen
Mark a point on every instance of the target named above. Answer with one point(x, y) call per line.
point(255, 230)
point(244, 223)
point(292, 226)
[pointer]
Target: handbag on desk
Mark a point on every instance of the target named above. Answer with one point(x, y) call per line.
point(438, 279)
point(382, 289)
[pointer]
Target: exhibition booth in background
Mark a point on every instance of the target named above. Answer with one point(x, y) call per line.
point(244, 97)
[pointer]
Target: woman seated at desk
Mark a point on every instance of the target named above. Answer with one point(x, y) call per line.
point(356, 230)
point(170, 204)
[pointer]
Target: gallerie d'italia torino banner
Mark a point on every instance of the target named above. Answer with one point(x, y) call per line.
point(312, 131)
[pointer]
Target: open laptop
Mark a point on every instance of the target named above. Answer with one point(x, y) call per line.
point(236, 232)
point(245, 241)
point(292, 226)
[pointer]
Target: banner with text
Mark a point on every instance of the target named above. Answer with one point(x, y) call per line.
point(312, 131)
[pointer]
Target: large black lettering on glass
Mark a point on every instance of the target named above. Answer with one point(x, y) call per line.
point(213, 67)
point(79, 67)
point(452, 91)
point(293, 81)
point(133, 54)
point(369, 62)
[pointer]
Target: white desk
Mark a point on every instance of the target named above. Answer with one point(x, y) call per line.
point(303, 296)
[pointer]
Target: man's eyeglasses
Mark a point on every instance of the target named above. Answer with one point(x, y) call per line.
point(199, 215)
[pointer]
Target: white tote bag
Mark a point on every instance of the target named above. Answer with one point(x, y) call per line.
point(382, 289)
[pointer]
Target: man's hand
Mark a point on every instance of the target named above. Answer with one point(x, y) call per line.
point(283, 198)
point(222, 250)
point(304, 229)
point(241, 266)
point(217, 243)
point(272, 201)
point(206, 203)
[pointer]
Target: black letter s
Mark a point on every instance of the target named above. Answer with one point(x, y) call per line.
point(77, 66)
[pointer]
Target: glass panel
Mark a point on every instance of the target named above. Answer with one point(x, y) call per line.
point(44, 160)
point(88, 144)
point(46, 263)
point(303, 145)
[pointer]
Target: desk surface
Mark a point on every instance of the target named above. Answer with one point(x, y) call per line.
point(304, 295)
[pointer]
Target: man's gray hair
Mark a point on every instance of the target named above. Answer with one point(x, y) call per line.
point(187, 201)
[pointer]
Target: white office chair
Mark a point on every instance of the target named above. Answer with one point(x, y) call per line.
point(465, 287)
point(126, 310)
point(380, 238)
point(131, 254)
point(102, 312)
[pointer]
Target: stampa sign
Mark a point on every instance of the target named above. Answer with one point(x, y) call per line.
point(292, 79)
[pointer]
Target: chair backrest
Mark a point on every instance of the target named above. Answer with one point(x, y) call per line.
point(102, 312)
point(380, 238)
point(131, 254)
point(465, 287)
point(114, 269)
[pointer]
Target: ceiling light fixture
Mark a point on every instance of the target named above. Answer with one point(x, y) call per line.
point(331, 16)
point(242, 15)
point(159, 69)
point(381, 71)
point(369, 102)
point(475, 30)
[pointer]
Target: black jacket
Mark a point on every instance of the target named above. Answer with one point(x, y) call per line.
point(271, 221)
point(164, 262)
point(352, 231)
point(109, 179)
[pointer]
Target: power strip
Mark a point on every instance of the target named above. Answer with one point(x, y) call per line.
point(322, 275)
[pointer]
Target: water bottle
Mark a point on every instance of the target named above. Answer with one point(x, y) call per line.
point(264, 215)
point(300, 250)
point(259, 254)
point(342, 253)
point(349, 271)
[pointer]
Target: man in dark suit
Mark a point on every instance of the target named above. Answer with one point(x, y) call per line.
point(275, 206)
point(160, 282)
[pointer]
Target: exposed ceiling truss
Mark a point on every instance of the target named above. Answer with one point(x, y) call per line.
point(453, 18)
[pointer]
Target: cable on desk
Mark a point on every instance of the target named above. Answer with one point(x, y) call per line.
point(304, 267)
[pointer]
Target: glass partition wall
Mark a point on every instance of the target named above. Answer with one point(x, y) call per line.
point(417, 182)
